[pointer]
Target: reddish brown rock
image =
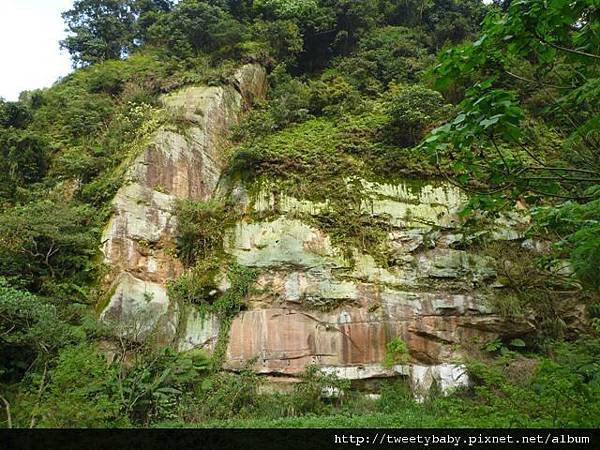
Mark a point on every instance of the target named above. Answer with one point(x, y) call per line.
point(284, 340)
point(138, 240)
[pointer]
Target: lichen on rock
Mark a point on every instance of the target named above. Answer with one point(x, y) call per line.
point(181, 163)
point(338, 275)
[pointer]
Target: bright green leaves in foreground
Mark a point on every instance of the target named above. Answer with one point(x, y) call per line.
point(488, 119)
point(578, 228)
point(530, 130)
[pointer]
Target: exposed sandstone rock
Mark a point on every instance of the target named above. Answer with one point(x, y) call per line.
point(199, 330)
point(313, 303)
point(282, 242)
point(176, 164)
point(316, 306)
point(138, 308)
point(447, 377)
point(286, 339)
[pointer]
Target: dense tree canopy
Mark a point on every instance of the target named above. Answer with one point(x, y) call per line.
point(100, 30)
point(112, 29)
point(109, 29)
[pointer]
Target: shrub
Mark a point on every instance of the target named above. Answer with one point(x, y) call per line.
point(226, 395)
point(413, 110)
point(81, 391)
point(157, 382)
point(200, 229)
point(333, 95)
point(317, 391)
point(31, 331)
point(396, 352)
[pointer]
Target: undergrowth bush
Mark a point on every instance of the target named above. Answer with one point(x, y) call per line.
point(533, 284)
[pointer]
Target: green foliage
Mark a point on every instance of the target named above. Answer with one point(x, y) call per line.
point(579, 225)
point(351, 228)
point(81, 391)
point(510, 391)
point(201, 229)
point(491, 147)
point(315, 387)
point(412, 110)
point(396, 352)
point(200, 234)
point(396, 396)
point(451, 22)
point(385, 55)
point(199, 284)
point(319, 160)
point(31, 331)
point(497, 346)
point(535, 286)
point(333, 95)
point(230, 303)
point(99, 30)
point(322, 151)
point(546, 391)
point(158, 381)
point(280, 39)
point(47, 246)
point(304, 10)
point(294, 101)
point(14, 114)
point(195, 27)
point(23, 160)
point(225, 395)
point(84, 388)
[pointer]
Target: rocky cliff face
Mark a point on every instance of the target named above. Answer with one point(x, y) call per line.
point(177, 164)
point(317, 305)
point(314, 301)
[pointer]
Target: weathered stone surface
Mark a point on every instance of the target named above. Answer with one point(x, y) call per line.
point(312, 303)
point(447, 377)
point(292, 243)
point(177, 164)
point(366, 371)
point(316, 306)
point(282, 242)
point(139, 233)
point(197, 330)
point(285, 340)
point(184, 166)
point(137, 307)
point(414, 205)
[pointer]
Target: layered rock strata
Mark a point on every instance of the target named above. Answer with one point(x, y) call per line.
point(312, 303)
point(183, 163)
